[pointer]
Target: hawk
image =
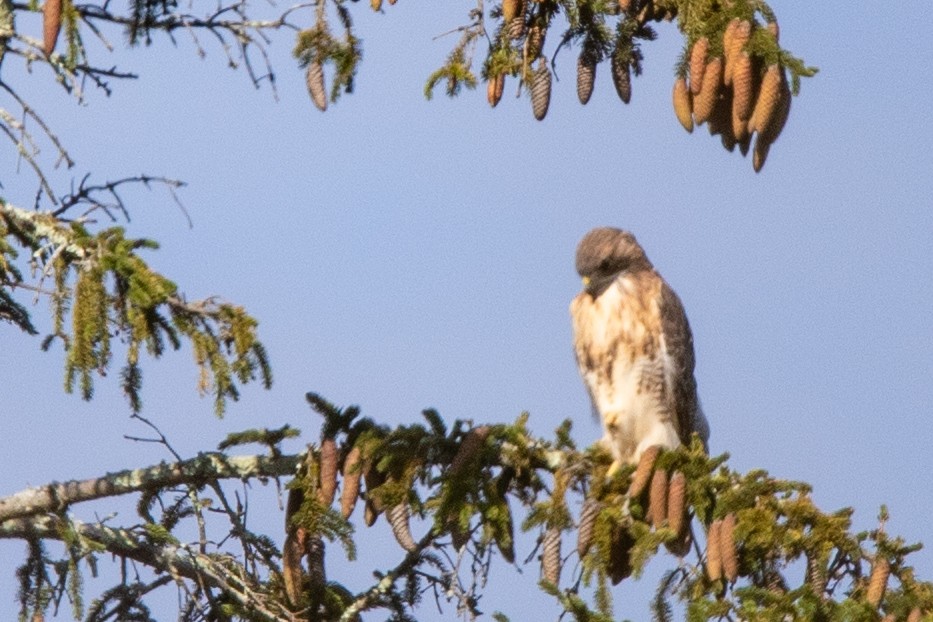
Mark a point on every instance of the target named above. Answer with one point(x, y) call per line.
point(634, 349)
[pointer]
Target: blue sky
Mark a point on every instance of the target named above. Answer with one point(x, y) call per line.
point(402, 254)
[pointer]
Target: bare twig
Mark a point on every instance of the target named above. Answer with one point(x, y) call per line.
point(177, 560)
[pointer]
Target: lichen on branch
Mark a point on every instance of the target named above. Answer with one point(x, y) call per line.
point(102, 290)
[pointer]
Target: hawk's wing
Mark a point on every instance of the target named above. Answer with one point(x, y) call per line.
point(678, 345)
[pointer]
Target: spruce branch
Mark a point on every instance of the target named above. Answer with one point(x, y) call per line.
point(204, 468)
point(180, 561)
point(112, 293)
point(756, 525)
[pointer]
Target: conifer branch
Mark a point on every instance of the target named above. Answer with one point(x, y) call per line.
point(205, 468)
point(467, 479)
point(179, 560)
point(387, 581)
point(111, 292)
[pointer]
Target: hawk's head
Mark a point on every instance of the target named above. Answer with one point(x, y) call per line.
point(606, 252)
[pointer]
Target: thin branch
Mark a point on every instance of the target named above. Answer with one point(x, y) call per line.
point(178, 560)
point(30, 112)
point(207, 467)
point(371, 596)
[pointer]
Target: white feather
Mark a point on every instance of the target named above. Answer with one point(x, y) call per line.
point(632, 420)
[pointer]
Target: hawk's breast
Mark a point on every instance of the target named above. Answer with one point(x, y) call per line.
point(623, 361)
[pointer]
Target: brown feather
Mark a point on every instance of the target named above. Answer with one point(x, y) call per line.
point(678, 343)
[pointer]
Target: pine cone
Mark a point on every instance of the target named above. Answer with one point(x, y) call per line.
point(622, 78)
point(516, 27)
point(291, 568)
point(643, 472)
point(745, 142)
point(625, 5)
point(534, 42)
point(770, 132)
point(682, 104)
point(588, 516)
point(494, 89)
point(677, 503)
point(760, 153)
point(376, 5)
point(730, 563)
point(657, 499)
point(739, 127)
point(915, 615)
point(315, 81)
point(769, 95)
point(540, 90)
point(677, 517)
point(713, 551)
point(741, 34)
point(328, 472)
point(775, 582)
point(397, 515)
point(51, 25)
point(816, 575)
point(698, 64)
point(512, 9)
point(352, 473)
point(472, 442)
point(743, 88)
point(586, 76)
point(550, 555)
point(704, 103)
point(293, 548)
point(728, 35)
point(314, 550)
point(370, 513)
point(878, 581)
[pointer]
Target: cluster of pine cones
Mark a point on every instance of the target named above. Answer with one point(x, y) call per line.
point(539, 81)
point(666, 498)
point(737, 96)
point(355, 470)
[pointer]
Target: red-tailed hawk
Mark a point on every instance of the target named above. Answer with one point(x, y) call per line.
point(634, 348)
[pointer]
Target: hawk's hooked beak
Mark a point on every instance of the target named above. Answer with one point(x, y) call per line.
point(596, 285)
